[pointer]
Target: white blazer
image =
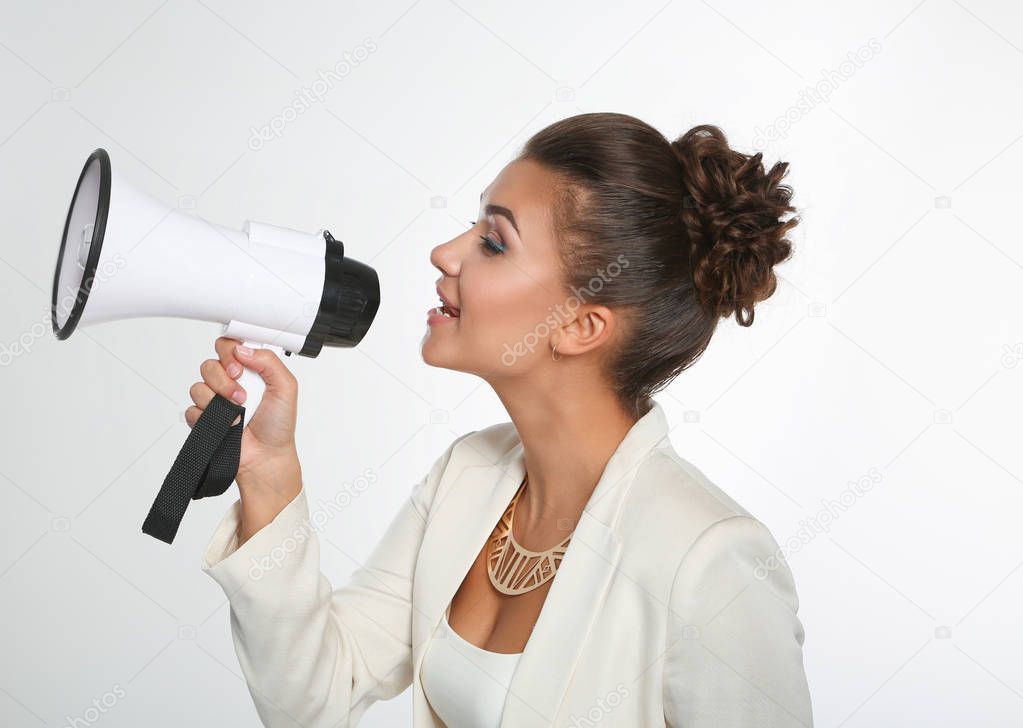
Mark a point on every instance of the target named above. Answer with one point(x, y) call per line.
point(671, 605)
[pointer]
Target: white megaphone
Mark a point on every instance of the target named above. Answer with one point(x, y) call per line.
point(125, 254)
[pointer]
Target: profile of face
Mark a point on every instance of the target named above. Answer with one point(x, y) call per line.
point(503, 276)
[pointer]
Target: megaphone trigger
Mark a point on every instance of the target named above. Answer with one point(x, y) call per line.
point(252, 382)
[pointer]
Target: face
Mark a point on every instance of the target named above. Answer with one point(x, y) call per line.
point(502, 274)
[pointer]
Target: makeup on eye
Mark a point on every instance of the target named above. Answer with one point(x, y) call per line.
point(489, 245)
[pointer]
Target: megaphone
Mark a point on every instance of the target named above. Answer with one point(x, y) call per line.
point(124, 254)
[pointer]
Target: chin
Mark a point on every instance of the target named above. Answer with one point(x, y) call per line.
point(431, 356)
point(452, 363)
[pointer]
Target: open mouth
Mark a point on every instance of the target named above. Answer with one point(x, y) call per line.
point(446, 311)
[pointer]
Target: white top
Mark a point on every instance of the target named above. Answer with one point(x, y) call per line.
point(465, 684)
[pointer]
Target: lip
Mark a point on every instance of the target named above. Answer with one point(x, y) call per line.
point(434, 317)
point(447, 302)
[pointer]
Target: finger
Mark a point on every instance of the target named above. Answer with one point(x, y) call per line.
point(192, 414)
point(218, 380)
point(225, 350)
point(201, 394)
point(269, 366)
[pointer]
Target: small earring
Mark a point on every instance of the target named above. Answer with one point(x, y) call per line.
point(553, 351)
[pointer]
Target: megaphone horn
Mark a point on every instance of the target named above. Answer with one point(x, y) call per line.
point(124, 254)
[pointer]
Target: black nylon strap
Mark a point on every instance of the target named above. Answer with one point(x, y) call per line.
point(205, 467)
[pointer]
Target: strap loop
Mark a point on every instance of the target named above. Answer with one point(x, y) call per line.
point(205, 467)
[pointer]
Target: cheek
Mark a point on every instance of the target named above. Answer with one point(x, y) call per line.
point(490, 290)
point(506, 306)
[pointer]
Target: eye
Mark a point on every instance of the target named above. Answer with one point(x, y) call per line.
point(491, 246)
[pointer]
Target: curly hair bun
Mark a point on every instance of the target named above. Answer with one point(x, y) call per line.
point(732, 212)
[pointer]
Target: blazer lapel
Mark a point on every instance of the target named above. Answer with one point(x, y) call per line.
point(580, 586)
point(575, 597)
point(459, 526)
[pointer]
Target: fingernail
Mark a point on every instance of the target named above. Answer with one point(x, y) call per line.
point(233, 369)
point(243, 350)
point(238, 396)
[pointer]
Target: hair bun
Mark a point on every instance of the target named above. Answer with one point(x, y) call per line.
point(732, 211)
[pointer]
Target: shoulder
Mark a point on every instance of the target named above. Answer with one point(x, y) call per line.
point(477, 448)
point(675, 498)
point(485, 446)
point(675, 513)
point(694, 487)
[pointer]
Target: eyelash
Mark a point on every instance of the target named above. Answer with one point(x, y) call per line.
point(489, 245)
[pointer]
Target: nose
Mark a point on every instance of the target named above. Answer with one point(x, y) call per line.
point(444, 258)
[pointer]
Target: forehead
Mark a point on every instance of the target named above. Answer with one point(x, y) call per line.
point(527, 189)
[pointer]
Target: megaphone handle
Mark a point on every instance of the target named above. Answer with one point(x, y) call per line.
point(252, 383)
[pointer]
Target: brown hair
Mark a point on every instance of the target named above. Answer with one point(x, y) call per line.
point(692, 227)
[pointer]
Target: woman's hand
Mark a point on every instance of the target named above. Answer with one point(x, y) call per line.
point(268, 452)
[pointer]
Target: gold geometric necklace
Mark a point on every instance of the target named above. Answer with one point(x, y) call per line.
point(513, 569)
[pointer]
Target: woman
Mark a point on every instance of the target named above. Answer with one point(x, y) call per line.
point(567, 567)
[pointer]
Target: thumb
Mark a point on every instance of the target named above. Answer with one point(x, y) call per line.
point(269, 367)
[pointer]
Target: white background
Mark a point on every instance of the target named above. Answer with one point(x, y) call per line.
point(890, 352)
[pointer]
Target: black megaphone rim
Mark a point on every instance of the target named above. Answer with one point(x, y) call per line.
point(95, 247)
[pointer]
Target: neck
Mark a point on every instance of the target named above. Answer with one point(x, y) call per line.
point(567, 437)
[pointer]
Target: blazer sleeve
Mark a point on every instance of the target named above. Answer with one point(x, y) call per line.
point(312, 655)
point(734, 641)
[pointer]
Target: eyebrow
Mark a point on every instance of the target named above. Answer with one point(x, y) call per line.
point(500, 210)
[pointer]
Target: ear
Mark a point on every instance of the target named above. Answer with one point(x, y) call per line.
point(593, 326)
